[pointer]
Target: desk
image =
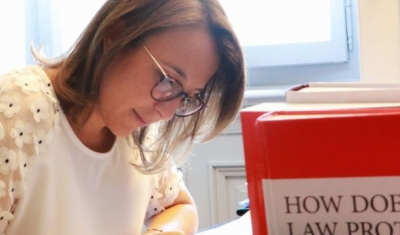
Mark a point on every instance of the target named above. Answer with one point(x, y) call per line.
point(241, 226)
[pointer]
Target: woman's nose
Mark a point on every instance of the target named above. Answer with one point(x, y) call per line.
point(167, 109)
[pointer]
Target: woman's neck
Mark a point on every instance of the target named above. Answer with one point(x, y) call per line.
point(93, 134)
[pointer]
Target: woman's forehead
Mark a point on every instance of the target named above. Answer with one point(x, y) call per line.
point(190, 50)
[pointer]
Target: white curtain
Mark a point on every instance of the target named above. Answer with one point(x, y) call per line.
point(53, 25)
point(13, 36)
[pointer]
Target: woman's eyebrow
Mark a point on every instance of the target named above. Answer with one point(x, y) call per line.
point(178, 70)
point(182, 74)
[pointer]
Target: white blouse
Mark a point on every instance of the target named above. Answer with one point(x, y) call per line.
point(50, 183)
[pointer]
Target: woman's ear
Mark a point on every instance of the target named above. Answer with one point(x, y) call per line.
point(113, 32)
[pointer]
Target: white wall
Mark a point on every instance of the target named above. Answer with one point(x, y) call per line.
point(379, 32)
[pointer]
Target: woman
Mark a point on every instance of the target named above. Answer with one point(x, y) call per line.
point(90, 143)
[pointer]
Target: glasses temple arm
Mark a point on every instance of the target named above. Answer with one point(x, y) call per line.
point(155, 61)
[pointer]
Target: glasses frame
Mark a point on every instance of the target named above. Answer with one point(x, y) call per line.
point(184, 95)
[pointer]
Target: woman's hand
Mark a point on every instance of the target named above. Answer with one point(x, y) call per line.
point(178, 219)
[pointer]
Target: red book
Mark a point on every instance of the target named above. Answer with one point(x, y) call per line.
point(331, 170)
point(254, 168)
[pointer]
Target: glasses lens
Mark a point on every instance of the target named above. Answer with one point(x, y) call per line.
point(189, 106)
point(167, 89)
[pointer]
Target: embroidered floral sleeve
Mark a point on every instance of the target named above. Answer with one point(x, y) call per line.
point(28, 118)
point(168, 184)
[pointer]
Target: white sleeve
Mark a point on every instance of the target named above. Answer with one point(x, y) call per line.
point(28, 114)
point(168, 185)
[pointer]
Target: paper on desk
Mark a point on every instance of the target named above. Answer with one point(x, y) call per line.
point(240, 226)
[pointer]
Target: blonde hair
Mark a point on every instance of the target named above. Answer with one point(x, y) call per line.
point(79, 77)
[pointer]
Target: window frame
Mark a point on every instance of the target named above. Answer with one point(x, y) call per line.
point(333, 51)
point(282, 77)
point(42, 30)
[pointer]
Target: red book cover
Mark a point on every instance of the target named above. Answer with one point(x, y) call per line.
point(324, 171)
point(254, 167)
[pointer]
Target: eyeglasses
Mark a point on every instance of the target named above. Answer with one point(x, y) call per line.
point(168, 89)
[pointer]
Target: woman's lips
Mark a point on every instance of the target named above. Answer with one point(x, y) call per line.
point(141, 121)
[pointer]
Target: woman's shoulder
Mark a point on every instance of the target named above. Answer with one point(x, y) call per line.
point(27, 85)
point(27, 102)
point(31, 80)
